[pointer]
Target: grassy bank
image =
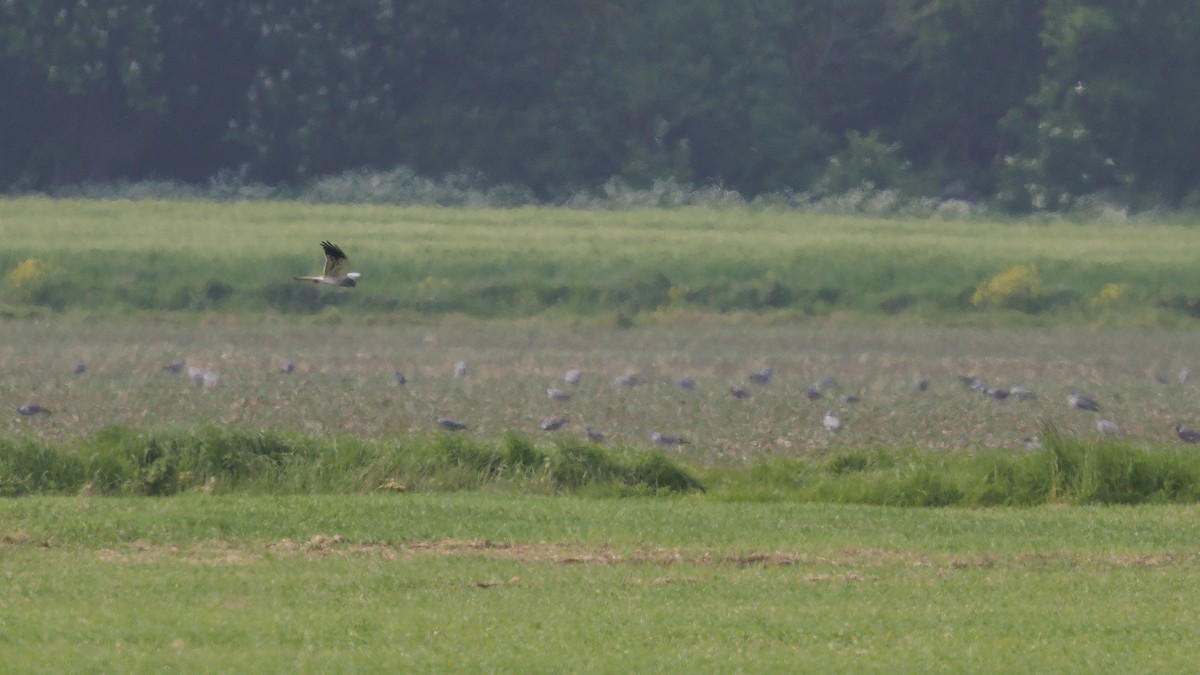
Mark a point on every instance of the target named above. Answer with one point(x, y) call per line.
point(111, 256)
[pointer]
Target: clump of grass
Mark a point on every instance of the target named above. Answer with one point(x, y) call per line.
point(1069, 470)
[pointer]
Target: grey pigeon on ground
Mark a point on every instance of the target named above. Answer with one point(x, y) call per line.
point(738, 391)
point(593, 435)
point(460, 369)
point(1186, 435)
point(288, 368)
point(175, 367)
point(851, 398)
point(831, 421)
point(685, 383)
point(400, 378)
point(920, 384)
point(80, 368)
point(1021, 394)
point(659, 438)
point(971, 382)
point(626, 381)
point(573, 376)
point(33, 409)
point(557, 394)
point(450, 424)
point(1184, 375)
point(763, 375)
point(827, 382)
point(1107, 428)
point(812, 394)
point(552, 424)
point(1032, 443)
point(1083, 402)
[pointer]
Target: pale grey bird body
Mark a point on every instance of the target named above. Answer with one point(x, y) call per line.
point(460, 369)
point(1032, 443)
point(288, 368)
point(33, 409)
point(335, 272)
point(1083, 402)
point(831, 421)
point(971, 382)
point(400, 378)
point(552, 424)
point(593, 435)
point(920, 384)
point(80, 368)
point(827, 382)
point(738, 391)
point(573, 376)
point(1186, 435)
point(1021, 394)
point(763, 375)
point(557, 394)
point(175, 367)
point(450, 424)
point(626, 381)
point(659, 438)
point(685, 383)
point(1107, 428)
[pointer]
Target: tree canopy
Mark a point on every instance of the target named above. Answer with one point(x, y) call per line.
point(1033, 103)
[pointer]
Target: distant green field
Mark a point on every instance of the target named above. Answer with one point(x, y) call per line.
point(533, 584)
point(102, 256)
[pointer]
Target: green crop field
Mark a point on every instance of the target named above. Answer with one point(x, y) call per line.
point(239, 257)
point(320, 519)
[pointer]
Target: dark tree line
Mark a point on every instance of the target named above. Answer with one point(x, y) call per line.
point(1030, 102)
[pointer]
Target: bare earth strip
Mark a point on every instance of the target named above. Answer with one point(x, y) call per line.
point(323, 546)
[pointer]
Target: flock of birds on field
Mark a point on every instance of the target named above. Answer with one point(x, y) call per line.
point(822, 389)
point(336, 273)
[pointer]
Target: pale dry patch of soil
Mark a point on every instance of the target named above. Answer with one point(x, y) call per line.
point(322, 546)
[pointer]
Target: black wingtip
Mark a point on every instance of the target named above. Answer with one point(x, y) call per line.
point(332, 251)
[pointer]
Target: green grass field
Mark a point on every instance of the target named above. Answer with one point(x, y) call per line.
point(491, 582)
point(106, 256)
point(320, 521)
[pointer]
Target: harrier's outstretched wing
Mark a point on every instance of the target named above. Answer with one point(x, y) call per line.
point(335, 260)
point(335, 272)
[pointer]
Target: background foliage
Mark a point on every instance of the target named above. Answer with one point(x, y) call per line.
point(1035, 102)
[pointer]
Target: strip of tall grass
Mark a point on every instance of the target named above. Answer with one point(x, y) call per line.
point(124, 461)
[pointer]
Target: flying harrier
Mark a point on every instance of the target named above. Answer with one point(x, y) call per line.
point(335, 269)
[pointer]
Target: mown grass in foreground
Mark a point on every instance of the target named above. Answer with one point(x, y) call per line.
point(125, 461)
point(482, 581)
